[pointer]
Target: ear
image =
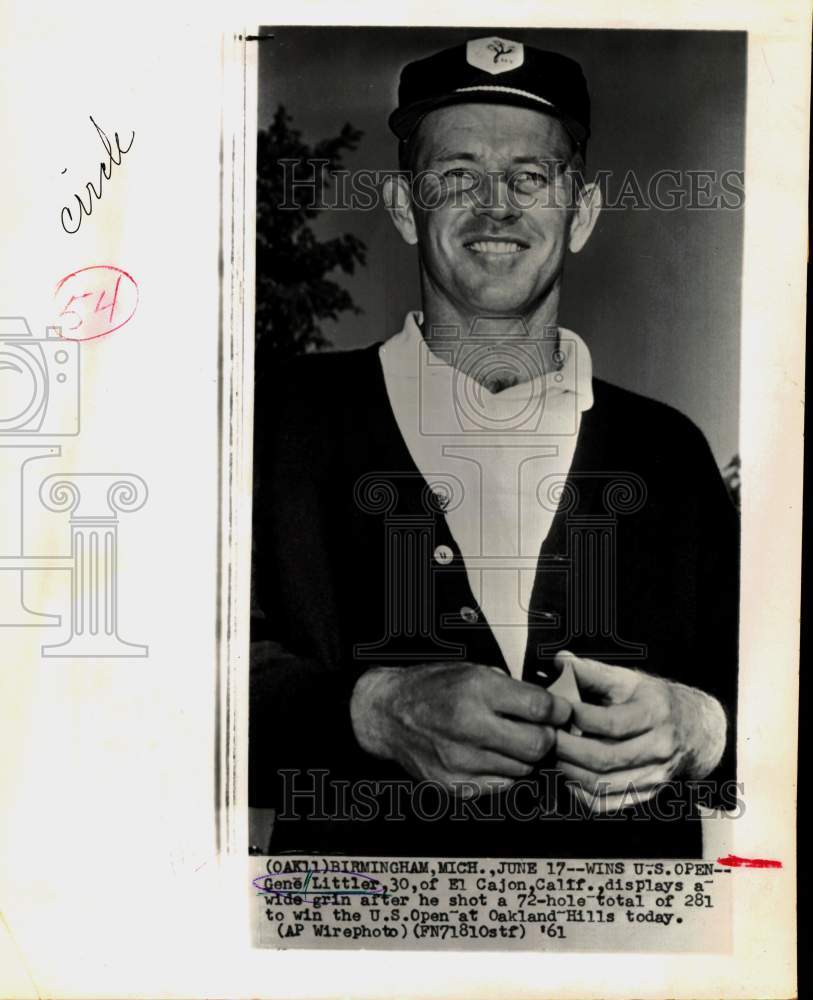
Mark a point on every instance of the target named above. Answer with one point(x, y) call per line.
point(585, 216)
point(398, 199)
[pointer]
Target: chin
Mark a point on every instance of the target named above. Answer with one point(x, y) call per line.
point(497, 301)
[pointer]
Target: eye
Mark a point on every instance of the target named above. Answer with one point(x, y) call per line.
point(461, 177)
point(530, 180)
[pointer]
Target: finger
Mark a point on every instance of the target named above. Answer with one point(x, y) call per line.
point(527, 701)
point(520, 740)
point(474, 760)
point(619, 722)
point(609, 683)
point(631, 781)
point(604, 756)
point(473, 786)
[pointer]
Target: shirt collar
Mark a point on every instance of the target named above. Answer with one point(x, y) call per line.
point(406, 352)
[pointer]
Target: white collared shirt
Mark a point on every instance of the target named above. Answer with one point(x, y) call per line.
point(498, 456)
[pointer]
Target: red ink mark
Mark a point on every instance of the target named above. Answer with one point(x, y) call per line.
point(95, 301)
point(732, 861)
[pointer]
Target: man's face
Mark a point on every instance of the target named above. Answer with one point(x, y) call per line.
point(491, 214)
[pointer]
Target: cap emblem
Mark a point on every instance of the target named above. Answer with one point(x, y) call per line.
point(494, 55)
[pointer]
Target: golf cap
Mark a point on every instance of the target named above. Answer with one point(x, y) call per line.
point(496, 71)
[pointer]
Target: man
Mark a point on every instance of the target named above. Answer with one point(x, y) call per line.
point(483, 571)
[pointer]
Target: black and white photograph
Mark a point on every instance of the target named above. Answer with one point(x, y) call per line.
point(401, 453)
point(495, 533)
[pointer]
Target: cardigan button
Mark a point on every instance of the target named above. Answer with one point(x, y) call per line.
point(443, 555)
point(469, 615)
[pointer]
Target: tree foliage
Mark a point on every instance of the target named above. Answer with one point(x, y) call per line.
point(294, 293)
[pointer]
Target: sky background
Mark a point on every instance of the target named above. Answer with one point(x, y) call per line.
point(655, 294)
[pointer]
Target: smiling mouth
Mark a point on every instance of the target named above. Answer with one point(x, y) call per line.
point(496, 246)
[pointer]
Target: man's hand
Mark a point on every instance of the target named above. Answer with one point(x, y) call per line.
point(644, 731)
point(469, 727)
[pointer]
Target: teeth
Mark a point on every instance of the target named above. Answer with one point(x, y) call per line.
point(495, 246)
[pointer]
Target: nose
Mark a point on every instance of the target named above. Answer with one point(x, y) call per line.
point(492, 198)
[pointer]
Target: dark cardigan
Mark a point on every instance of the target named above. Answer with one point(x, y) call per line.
point(640, 568)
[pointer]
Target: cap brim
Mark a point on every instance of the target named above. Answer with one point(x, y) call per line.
point(403, 121)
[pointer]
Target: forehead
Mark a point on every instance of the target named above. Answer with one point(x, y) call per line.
point(491, 130)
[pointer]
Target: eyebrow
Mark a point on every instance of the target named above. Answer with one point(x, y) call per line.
point(445, 156)
point(541, 160)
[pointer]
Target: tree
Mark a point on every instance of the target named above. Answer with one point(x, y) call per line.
point(294, 293)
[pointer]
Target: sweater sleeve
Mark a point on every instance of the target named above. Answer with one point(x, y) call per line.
point(300, 689)
point(716, 648)
point(300, 733)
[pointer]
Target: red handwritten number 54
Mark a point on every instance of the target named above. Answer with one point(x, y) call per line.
point(98, 299)
point(98, 307)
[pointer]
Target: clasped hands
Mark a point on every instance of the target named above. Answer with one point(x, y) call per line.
point(475, 730)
